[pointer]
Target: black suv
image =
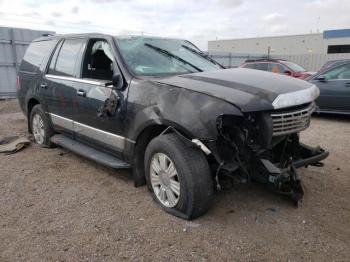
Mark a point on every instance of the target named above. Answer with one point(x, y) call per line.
point(184, 124)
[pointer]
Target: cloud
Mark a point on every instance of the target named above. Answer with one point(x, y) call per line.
point(50, 22)
point(274, 23)
point(56, 14)
point(75, 10)
point(230, 3)
point(273, 18)
point(330, 13)
point(103, 1)
point(195, 20)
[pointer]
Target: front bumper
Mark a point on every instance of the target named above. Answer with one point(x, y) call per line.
point(310, 156)
point(286, 180)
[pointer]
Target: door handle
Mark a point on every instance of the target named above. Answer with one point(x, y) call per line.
point(347, 84)
point(44, 85)
point(81, 92)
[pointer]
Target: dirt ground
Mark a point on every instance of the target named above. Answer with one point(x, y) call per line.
point(57, 206)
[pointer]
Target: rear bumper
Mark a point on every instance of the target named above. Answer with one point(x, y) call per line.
point(310, 156)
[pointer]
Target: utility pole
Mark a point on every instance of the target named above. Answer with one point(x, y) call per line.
point(268, 52)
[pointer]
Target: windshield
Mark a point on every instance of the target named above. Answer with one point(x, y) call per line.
point(161, 56)
point(294, 67)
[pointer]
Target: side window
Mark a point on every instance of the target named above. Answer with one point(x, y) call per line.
point(98, 60)
point(261, 66)
point(64, 65)
point(36, 55)
point(54, 58)
point(250, 65)
point(340, 73)
point(276, 68)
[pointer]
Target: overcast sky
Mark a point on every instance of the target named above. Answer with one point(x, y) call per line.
point(196, 20)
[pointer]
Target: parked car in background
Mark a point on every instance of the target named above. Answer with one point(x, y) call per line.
point(333, 63)
point(334, 84)
point(160, 106)
point(278, 66)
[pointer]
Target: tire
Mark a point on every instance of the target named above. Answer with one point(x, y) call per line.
point(193, 176)
point(40, 127)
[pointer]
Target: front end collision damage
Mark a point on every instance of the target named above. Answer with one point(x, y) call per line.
point(246, 150)
point(243, 146)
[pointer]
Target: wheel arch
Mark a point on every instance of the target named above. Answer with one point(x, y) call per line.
point(33, 101)
point(142, 139)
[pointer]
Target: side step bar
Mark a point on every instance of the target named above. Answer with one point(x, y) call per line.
point(89, 152)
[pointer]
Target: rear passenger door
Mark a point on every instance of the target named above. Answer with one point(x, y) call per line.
point(60, 83)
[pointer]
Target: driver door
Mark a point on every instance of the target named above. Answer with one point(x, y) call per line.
point(91, 123)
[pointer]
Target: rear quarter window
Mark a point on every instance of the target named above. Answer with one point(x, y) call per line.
point(37, 55)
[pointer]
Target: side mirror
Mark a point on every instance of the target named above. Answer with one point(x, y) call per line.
point(287, 73)
point(321, 78)
point(117, 82)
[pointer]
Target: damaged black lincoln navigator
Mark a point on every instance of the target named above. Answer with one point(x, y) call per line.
point(184, 124)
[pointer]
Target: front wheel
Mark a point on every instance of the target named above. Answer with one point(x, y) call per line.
point(178, 177)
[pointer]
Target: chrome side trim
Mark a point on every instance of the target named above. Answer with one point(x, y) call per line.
point(92, 82)
point(114, 140)
point(100, 135)
point(62, 121)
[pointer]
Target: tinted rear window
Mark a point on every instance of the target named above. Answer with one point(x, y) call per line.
point(36, 55)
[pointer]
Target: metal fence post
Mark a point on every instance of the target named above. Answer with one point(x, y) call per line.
point(14, 52)
point(230, 60)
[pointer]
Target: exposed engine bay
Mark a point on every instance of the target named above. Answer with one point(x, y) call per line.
point(265, 147)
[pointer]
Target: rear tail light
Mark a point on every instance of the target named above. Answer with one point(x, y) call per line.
point(18, 84)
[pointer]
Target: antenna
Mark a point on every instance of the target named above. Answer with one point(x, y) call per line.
point(318, 24)
point(47, 34)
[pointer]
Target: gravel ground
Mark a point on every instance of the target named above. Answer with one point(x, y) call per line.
point(55, 205)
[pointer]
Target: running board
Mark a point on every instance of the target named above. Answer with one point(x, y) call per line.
point(89, 152)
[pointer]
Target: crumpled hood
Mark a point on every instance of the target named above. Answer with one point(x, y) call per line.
point(248, 89)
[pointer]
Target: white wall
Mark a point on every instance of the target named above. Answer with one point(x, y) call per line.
point(280, 45)
point(311, 62)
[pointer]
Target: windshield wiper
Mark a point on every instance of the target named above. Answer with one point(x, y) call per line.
point(169, 54)
point(200, 53)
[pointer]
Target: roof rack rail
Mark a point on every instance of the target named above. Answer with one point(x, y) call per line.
point(48, 34)
point(262, 59)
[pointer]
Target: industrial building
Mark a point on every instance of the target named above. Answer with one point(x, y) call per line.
point(328, 42)
point(309, 50)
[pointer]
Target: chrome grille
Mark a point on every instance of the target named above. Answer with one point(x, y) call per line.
point(289, 122)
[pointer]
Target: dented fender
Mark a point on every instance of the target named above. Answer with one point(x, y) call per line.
point(193, 114)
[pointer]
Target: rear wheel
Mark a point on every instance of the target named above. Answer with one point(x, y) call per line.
point(40, 127)
point(178, 177)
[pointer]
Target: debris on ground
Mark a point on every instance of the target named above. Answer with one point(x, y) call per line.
point(13, 144)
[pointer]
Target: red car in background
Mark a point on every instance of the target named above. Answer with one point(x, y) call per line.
point(278, 66)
